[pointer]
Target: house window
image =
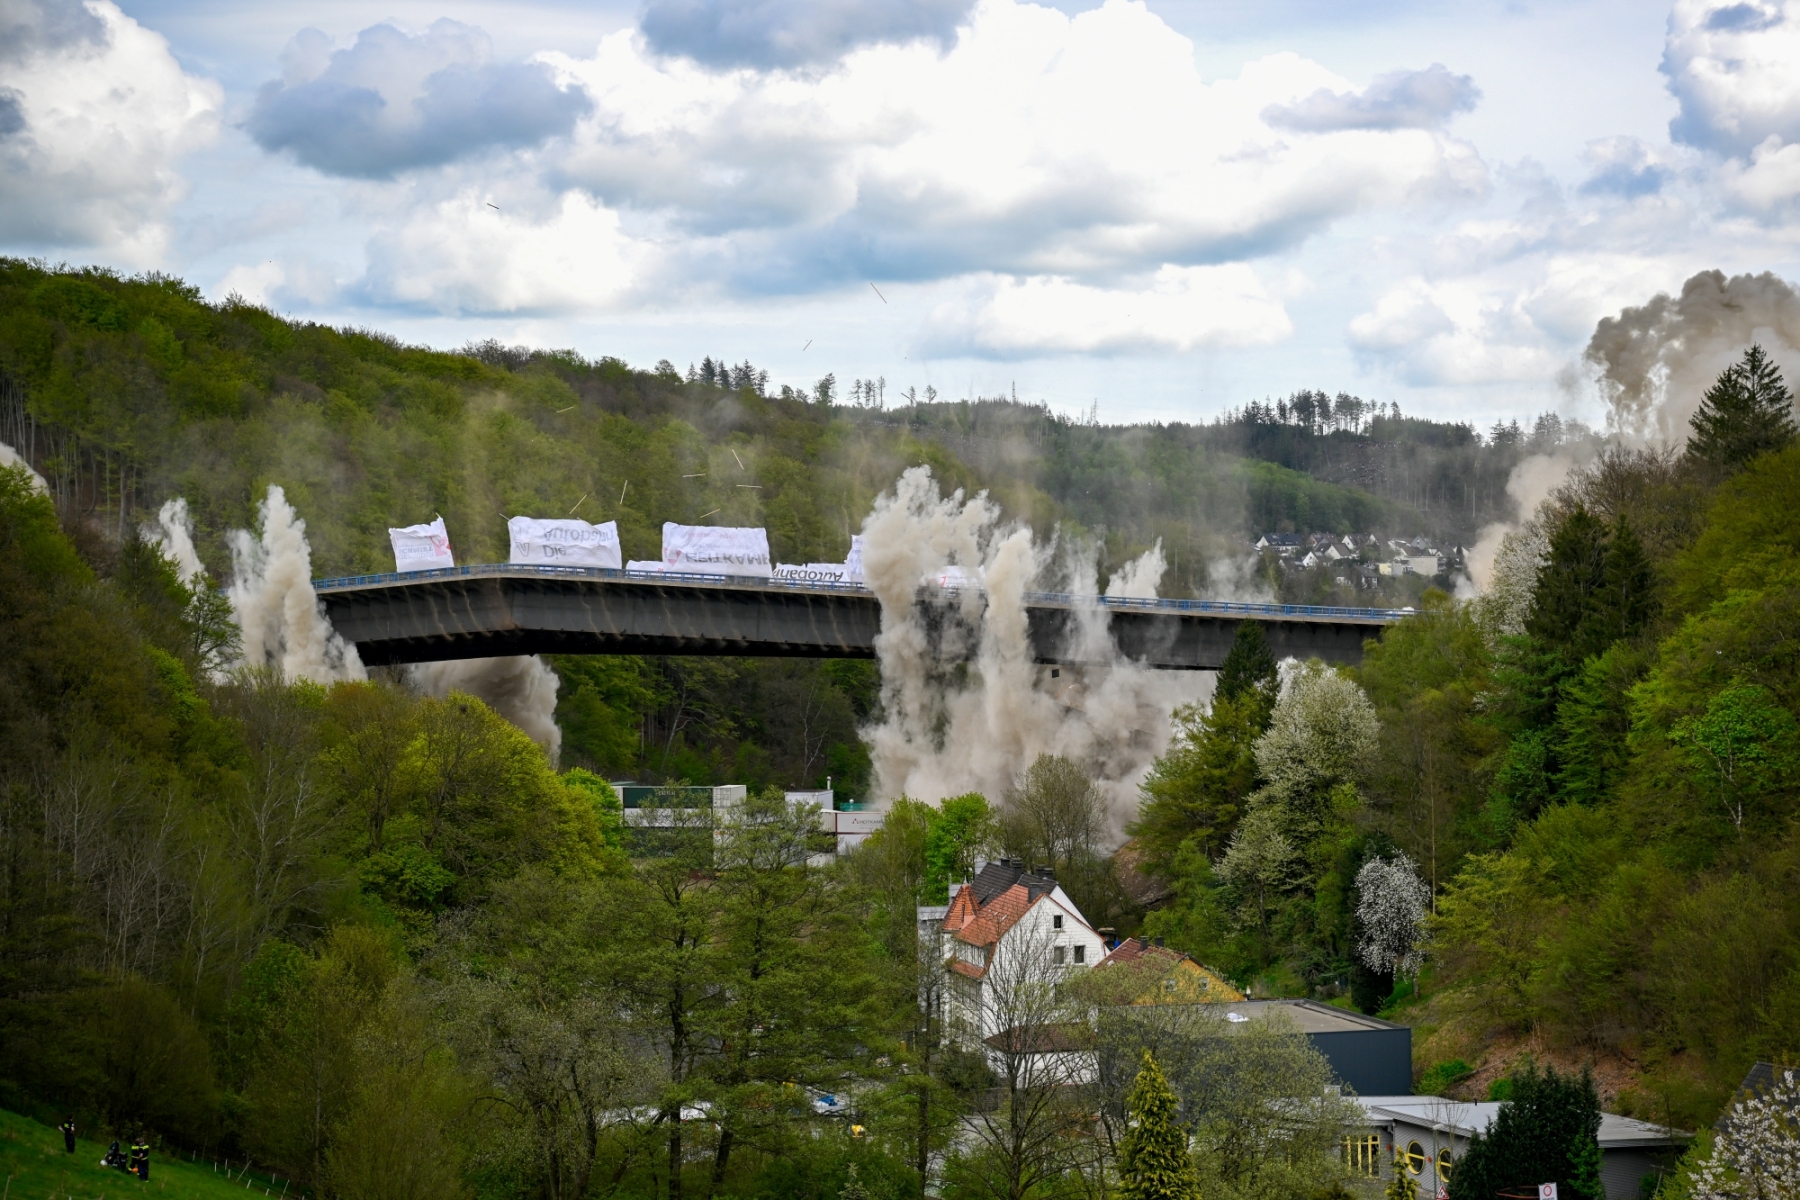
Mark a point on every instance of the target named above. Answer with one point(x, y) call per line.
point(1056, 921)
point(1057, 955)
point(1081, 954)
point(1444, 1162)
point(1362, 1154)
point(1412, 1159)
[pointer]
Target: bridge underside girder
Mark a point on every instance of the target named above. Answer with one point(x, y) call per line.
point(488, 616)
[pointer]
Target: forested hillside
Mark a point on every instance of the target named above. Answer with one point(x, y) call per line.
point(377, 941)
point(1598, 806)
point(126, 392)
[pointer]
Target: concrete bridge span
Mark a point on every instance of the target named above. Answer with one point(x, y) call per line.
point(482, 611)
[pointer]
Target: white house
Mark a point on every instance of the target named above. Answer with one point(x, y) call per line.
point(1005, 933)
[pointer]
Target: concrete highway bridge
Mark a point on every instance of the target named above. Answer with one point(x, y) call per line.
point(483, 611)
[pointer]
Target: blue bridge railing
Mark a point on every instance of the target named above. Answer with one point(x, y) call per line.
point(1233, 608)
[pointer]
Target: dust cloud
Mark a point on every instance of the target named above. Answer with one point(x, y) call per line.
point(172, 532)
point(1653, 364)
point(12, 458)
point(521, 689)
point(1529, 485)
point(1139, 578)
point(1656, 360)
point(964, 706)
point(283, 623)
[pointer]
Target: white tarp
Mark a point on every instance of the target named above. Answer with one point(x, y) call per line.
point(811, 572)
point(853, 567)
point(655, 565)
point(564, 542)
point(715, 550)
point(421, 547)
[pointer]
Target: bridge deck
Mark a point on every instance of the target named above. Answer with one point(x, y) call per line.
point(484, 610)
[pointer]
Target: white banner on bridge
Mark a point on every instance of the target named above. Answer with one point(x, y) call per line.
point(811, 572)
point(715, 550)
point(654, 566)
point(951, 577)
point(564, 542)
point(421, 547)
point(853, 567)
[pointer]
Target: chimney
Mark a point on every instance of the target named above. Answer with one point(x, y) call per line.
point(1046, 873)
point(1159, 943)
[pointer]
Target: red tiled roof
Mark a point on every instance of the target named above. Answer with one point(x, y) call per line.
point(967, 969)
point(962, 910)
point(1133, 949)
point(996, 916)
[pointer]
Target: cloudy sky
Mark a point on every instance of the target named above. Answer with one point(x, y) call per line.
point(1162, 208)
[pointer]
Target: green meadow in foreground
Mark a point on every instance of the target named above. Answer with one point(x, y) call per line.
point(36, 1167)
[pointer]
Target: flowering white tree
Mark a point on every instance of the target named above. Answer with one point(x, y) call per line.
point(1757, 1153)
point(1392, 902)
point(1320, 739)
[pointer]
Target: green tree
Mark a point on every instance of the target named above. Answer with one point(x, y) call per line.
point(1746, 413)
point(1746, 746)
point(798, 1000)
point(1154, 1163)
point(1249, 667)
point(960, 828)
point(1540, 1135)
point(524, 999)
point(1424, 676)
point(1195, 792)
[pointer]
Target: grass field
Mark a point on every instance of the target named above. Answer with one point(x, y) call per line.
point(35, 1167)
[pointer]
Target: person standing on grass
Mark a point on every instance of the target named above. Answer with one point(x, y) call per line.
point(68, 1132)
point(140, 1157)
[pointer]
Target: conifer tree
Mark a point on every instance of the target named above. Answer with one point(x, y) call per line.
point(1584, 1168)
point(1626, 585)
point(1748, 412)
point(1153, 1156)
point(1249, 666)
point(1542, 1134)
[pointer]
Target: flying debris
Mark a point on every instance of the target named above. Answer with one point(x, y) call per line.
point(878, 291)
point(808, 343)
point(493, 206)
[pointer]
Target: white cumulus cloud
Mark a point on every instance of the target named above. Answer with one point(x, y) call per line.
point(1179, 309)
point(1735, 69)
point(461, 255)
point(95, 115)
point(1039, 143)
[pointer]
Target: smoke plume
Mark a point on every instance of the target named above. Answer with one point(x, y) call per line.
point(1657, 360)
point(173, 533)
point(964, 706)
point(521, 689)
point(272, 596)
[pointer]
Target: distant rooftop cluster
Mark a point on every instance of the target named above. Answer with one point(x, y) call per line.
point(1362, 558)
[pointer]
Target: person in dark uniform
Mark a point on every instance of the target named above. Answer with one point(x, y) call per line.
point(68, 1132)
point(140, 1158)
